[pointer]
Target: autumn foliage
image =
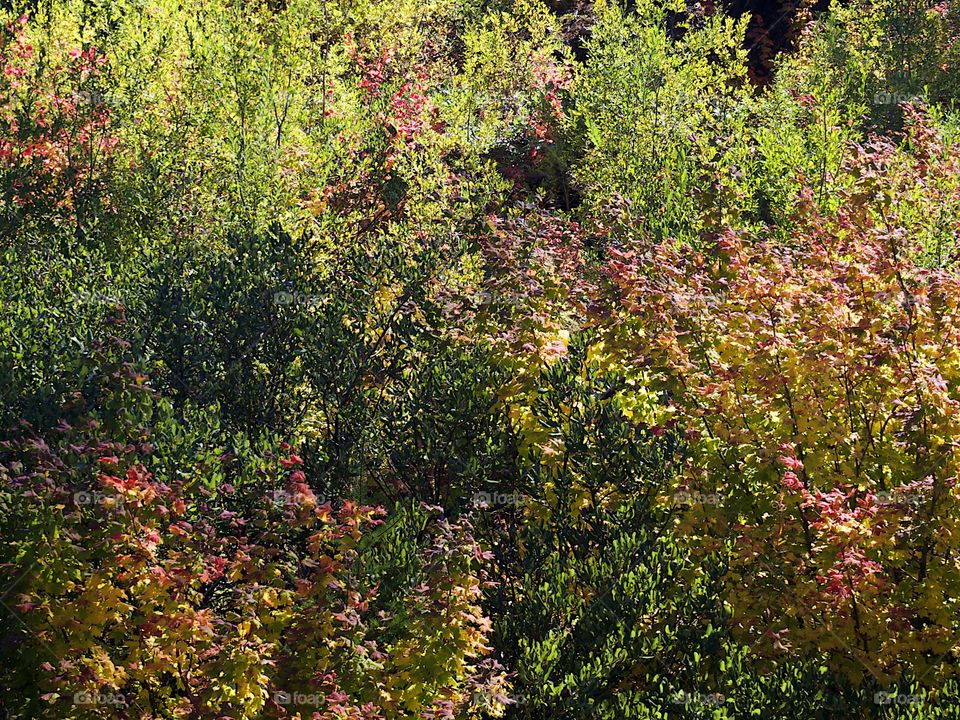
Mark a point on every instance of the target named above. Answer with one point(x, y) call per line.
point(54, 134)
point(252, 600)
point(452, 361)
point(817, 381)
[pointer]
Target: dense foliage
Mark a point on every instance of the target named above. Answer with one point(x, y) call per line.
point(524, 359)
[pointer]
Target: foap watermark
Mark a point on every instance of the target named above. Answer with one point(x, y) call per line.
point(296, 299)
point(496, 298)
point(885, 698)
point(488, 499)
point(95, 98)
point(284, 497)
point(489, 700)
point(694, 497)
point(98, 698)
point(297, 698)
point(96, 497)
point(516, 699)
point(900, 497)
point(697, 698)
point(85, 297)
point(891, 98)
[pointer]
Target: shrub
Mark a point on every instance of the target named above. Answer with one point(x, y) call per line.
point(818, 379)
point(55, 135)
point(170, 594)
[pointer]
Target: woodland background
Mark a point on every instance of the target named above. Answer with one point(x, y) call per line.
point(479, 358)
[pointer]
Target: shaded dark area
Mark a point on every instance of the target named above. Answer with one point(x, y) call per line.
point(775, 26)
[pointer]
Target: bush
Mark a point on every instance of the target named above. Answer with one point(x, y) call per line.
point(174, 594)
point(818, 379)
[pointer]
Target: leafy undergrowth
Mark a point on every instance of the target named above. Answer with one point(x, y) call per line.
point(471, 360)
